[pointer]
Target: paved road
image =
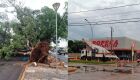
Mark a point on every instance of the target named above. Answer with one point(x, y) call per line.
point(10, 70)
point(102, 75)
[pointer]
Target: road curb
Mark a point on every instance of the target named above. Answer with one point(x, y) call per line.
point(22, 74)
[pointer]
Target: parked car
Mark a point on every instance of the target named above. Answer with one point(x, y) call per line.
point(62, 52)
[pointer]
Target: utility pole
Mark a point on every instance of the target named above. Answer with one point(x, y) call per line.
point(111, 40)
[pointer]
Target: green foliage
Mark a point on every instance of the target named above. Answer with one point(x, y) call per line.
point(46, 24)
point(5, 52)
point(4, 33)
point(18, 41)
point(31, 26)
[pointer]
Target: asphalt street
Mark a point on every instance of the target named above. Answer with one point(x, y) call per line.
point(10, 70)
point(94, 72)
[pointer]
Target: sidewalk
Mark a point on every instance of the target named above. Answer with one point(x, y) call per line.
point(44, 72)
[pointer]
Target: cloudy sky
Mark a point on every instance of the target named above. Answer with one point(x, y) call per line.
point(36, 4)
point(126, 19)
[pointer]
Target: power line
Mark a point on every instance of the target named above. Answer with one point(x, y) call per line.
point(109, 20)
point(106, 23)
point(122, 13)
point(105, 8)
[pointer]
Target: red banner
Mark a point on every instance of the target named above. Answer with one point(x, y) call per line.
point(106, 43)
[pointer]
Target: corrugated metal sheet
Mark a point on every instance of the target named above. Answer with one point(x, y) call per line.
point(93, 46)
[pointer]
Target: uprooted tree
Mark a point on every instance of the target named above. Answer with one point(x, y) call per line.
point(29, 27)
point(40, 53)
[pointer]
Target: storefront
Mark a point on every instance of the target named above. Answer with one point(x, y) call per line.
point(121, 46)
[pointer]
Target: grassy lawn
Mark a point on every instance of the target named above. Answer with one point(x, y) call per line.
point(90, 62)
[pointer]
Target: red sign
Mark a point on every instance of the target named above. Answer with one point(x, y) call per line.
point(106, 43)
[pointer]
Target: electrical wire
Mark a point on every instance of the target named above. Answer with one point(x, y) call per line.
point(106, 8)
point(107, 16)
point(104, 23)
point(109, 20)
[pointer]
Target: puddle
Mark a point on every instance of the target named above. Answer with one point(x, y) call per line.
point(84, 68)
point(88, 72)
point(124, 70)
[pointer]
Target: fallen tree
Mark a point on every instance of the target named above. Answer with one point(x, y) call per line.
point(40, 54)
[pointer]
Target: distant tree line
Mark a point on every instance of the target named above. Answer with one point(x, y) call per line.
point(75, 46)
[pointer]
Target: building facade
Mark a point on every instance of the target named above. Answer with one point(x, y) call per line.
point(123, 47)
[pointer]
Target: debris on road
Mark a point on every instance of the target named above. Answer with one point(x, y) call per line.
point(44, 72)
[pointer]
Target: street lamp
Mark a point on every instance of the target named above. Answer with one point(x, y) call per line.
point(56, 6)
point(91, 28)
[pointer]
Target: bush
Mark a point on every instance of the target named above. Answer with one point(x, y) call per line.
point(6, 52)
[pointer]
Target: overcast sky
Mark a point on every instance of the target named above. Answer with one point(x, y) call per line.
point(37, 4)
point(130, 29)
